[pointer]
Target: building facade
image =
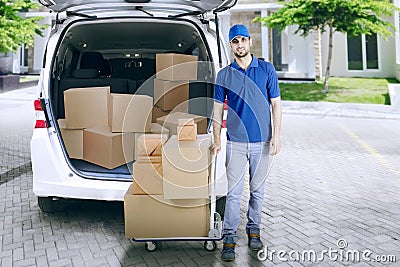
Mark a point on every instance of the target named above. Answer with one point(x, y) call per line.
point(30, 59)
point(293, 56)
point(305, 58)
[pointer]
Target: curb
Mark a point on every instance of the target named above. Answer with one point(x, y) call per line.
point(11, 83)
point(349, 110)
point(27, 84)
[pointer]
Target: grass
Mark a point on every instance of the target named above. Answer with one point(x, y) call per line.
point(341, 90)
point(28, 78)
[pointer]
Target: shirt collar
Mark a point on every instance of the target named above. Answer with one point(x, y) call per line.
point(253, 64)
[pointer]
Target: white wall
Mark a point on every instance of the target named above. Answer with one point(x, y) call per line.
point(301, 55)
point(300, 50)
point(40, 44)
point(386, 55)
point(397, 41)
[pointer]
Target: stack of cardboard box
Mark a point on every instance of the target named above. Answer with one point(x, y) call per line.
point(171, 201)
point(147, 169)
point(100, 127)
point(171, 86)
point(169, 194)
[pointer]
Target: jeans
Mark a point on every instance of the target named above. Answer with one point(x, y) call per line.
point(237, 156)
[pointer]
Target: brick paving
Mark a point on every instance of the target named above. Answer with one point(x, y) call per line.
point(326, 185)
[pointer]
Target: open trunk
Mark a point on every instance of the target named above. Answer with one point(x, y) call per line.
point(123, 54)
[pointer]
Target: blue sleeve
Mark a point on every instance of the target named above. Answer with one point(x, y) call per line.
point(272, 83)
point(219, 90)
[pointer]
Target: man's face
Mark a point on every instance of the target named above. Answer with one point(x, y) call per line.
point(240, 46)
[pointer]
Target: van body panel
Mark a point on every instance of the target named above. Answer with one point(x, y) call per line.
point(80, 5)
point(53, 173)
point(53, 177)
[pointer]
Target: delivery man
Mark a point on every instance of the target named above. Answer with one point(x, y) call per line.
point(251, 88)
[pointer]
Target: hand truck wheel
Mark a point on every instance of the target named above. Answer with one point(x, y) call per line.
point(151, 246)
point(210, 245)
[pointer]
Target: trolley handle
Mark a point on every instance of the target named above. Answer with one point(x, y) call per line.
point(213, 198)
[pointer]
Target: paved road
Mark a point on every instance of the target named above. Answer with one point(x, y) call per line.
point(336, 179)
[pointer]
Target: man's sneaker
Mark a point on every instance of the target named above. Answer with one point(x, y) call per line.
point(228, 250)
point(255, 242)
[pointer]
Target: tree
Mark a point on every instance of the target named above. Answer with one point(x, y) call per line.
point(15, 29)
point(354, 17)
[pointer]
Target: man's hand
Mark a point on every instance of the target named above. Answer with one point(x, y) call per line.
point(217, 125)
point(275, 145)
point(215, 149)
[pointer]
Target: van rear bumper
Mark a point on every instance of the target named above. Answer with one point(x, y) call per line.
point(53, 177)
point(98, 190)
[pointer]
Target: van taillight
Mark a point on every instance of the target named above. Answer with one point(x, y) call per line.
point(39, 115)
point(225, 113)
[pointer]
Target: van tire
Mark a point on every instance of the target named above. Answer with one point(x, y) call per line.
point(51, 204)
point(220, 206)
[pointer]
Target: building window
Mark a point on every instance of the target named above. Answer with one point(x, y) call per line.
point(280, 49)
point(23, 60)
point(354, 53)
point(362, 52)
point(372, 51)
point(397, 32)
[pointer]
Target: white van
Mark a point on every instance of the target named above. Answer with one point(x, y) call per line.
point(114, 43)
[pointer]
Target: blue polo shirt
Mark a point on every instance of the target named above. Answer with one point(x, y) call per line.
point(248, 95)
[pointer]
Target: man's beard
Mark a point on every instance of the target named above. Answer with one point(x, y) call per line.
point(238, 55)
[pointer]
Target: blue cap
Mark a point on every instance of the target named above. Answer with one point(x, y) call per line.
point(238, 30)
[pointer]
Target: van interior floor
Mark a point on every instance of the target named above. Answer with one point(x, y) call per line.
point(122, 172)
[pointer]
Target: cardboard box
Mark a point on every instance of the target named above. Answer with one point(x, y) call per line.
point(152, 216)
point(176, 67)
point(130, 113)
point(186, 122)
point(137, 190)
point(187, 132)
point(150, 144)
point(149, 159)
point(159, 129)
point(182, 107)
point(107, 149)
point(86, 107)
point(157, 112)
point(171, 122)
point(155, 129)
point(73, 140)
point(186, 168)
point(147, 178)
point(169, 94)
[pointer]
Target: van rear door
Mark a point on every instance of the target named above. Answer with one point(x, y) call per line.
point(181, 5)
